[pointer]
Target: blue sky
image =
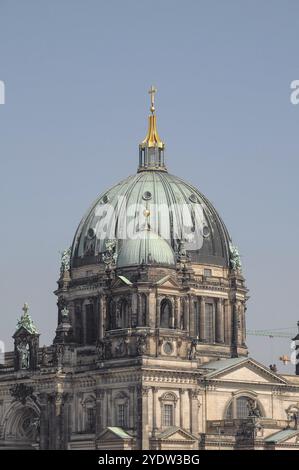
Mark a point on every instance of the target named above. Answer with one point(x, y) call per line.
point(76, 77)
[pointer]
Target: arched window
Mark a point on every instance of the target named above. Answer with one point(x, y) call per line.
point(123, 315)
point(89, 414)
point(168, 404)
point(121, 410)
point(166, 316)
point(243, 407)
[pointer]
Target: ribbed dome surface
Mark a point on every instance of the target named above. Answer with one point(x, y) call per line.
point(171, 204)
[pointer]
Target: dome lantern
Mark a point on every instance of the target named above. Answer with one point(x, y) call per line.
point(151, 149)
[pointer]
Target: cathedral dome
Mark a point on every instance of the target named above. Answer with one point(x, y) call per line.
point(148, 249)
point(177, 210)
point(170, 207)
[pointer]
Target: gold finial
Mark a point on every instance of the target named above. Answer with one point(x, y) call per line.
point(152, 91)
point(152, 139)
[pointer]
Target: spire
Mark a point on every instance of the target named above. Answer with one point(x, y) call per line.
point(151, 149)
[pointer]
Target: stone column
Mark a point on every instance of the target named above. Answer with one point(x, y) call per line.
point(176, 313)
point(154, 395)
point(227, 322)
point(101, 317)
point(83, 305)
point(243, 323)
point(142, 433)
point(44, 422)
point(109, 408)
point(182, 392)
point(193, 400)
point(173, 315)
point(219, 322)
point(191, 317)
point(186, 314)
point(202, 320)
point(66, 419)
point(57, 426)
point(99, 411)
point(139, 310)
point(132, 407)
point(105, 409)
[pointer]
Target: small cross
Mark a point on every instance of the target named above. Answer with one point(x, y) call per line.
point(152, 91)
point(25, 308)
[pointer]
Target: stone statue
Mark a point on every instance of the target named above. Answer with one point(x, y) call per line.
point(110, 255)
point(192, 350)
point(108, 350)
point(65, 261)
point(235, 260)
point(141, 346)
point(253, 409)
point(100, 347)
point(121, 348)
point(24, 355)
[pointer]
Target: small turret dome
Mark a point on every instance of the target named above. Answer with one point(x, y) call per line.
point(147, 249)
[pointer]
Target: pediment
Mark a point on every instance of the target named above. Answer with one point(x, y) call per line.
point(244, 370)
point(114, 434)
point(168, 282)
point(121, 281)
point(176, 434)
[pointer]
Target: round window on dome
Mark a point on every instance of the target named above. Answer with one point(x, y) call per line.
point(105, 199)
point(193, 198)
point(206, 231)
point(91, 233)
point(147, 195)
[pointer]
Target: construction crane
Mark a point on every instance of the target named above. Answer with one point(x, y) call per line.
point(276, 333)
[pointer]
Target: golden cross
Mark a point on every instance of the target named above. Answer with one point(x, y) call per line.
point(152, 91)
point(25, 308)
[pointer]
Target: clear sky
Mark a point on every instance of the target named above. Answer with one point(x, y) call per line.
point(76, 76)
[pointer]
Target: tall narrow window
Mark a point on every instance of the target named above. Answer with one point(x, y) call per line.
point(166, 314)
point(121, 415)
point(90, 324)
point(123, 320)
point(209, 323)
point(168, 415)
point(90, 419)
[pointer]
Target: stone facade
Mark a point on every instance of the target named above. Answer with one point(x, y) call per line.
point(150, 347)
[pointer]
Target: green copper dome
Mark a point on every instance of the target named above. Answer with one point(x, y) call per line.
point(175, 211)
point(148, 249)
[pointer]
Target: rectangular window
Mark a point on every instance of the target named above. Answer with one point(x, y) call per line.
point(168, 415)
point(90, 420)
point(207, 272)
point(121, 415)
point(209, 323)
